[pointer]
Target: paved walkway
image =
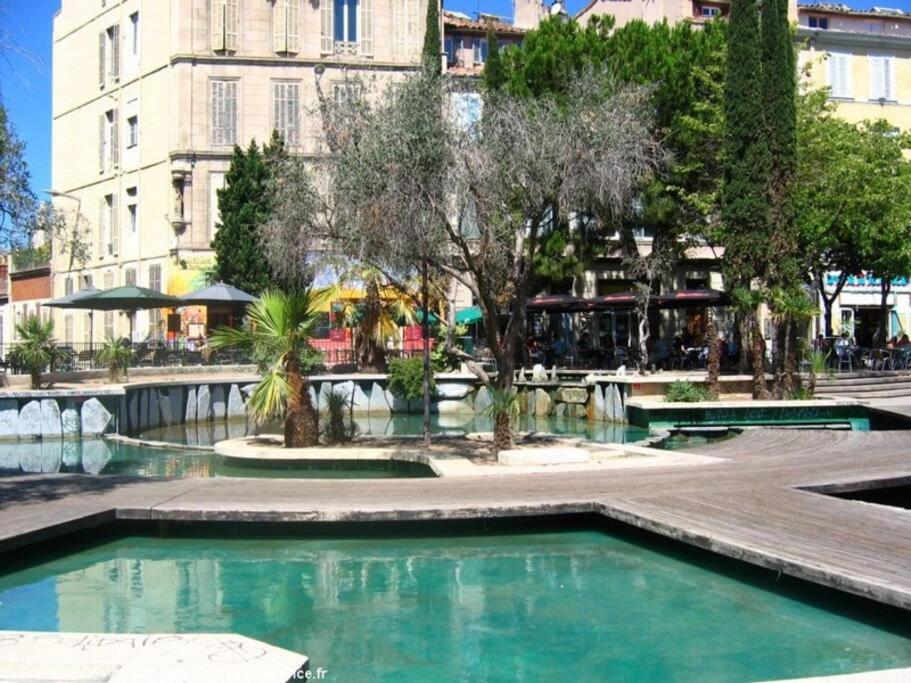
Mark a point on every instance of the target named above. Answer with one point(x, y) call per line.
point(752, 505)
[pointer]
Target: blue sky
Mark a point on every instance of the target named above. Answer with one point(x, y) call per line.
point(25, 82)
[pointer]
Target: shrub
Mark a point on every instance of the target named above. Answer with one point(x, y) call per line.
point(340, 427)
point(116, 355)
point(687, 392)
point(36, 348)
point(406, 378)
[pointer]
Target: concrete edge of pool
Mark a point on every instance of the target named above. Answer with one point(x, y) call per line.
point(159, 657)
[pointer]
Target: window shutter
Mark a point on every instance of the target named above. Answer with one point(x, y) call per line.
point(277, 104)
point(216, 103)
point(115, 53)
point(232, 19)
point(217, 31)
point(231, 112)
point(294, 21)
point(839, 75)
point(326, 46)
point(115, 139)
point(280, 26)
point(102, 211)
point(115, 227)
point(365, 27)
point(102, 135)
point(411, 25)
point(102, 66)
point(398, 26)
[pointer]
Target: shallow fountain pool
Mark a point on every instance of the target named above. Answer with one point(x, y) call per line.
point(569, 603)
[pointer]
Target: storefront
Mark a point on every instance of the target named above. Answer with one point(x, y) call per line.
point(857, 309)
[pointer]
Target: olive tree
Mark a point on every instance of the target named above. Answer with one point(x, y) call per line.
point(412, 183)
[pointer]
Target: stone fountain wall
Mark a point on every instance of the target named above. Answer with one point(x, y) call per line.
point(31, 415)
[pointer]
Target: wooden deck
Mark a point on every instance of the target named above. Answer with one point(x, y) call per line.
point(755, 505)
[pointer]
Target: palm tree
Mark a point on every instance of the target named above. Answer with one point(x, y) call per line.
point(790, 307)
point(746, 302)
point(277, 334)
point(116, 354)
point(37, 348)
point(375, 318)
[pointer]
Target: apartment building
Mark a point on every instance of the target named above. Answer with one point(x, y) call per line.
point(149, 99)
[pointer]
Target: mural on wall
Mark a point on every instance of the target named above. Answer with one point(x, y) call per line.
point(188, 277)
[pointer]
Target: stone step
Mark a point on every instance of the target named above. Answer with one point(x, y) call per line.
point(884, 393)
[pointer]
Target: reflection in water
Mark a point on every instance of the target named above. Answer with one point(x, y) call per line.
point(99, 456)
point(208, 433)
point(575, 605)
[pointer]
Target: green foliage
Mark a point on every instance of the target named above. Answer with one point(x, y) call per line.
point(116, 354)
point(36, 348)
point(28, 258)
point(433, 59)
point(494, 75)
point(504, 402)
point(406, 378)
point(245, 205)
point(18, 205)
point(277, 335)
point(442, 359)
point(745, 196)
point(687, 392)
point(339, 426)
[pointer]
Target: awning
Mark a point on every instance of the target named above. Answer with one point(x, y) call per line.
point(469, 316)
point(558, 303)
point(692, 298)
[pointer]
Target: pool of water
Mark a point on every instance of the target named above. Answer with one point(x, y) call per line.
point(577, 603)
point(103, 457)
point(209, 433)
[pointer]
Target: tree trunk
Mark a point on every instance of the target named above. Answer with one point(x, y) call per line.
point(371, 354)
point(644, 334)
point(502, 432)
point(759, 384)
point(787, 367)
point(36, 377)
point(714, 359)
point(301, 421)
point(742, 339)
point(885, 288)
point(828, 301)
point(425, 328)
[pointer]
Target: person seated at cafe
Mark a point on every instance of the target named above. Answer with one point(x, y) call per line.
point(687, 339)
point(658, 353)
point(892, 343)
point(904, 341)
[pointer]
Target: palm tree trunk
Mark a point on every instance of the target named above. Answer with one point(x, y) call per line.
point(759, 384)
point(371, 356)
point(36, 377)
point(301, 421)
point(713, 364)
point(425, 330)
point(502, 432)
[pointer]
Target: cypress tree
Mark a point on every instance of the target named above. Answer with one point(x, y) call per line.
point(780, 86)
point(744, 200)
point(245, 204)
point(494, 75)
point(431, 54)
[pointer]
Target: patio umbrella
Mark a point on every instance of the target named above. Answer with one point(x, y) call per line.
point(468, 316)
point(219, 294)
point(692, 298)
point(129, 298)
point(72, 301)
point(558, 303)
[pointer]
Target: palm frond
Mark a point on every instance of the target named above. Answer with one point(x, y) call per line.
point(269, 398)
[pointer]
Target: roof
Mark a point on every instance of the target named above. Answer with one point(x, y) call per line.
point(836, 8)
point(461, 21)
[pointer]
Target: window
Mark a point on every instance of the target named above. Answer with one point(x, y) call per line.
point(108, 315)
point(882, 78)
point(449, 49)
point(86, 328)
point(223, 106)
point(108, 230)
point(286, 111)
point(840, 74)
point(345, 21)
point(109, 56)
point(216, 182)
point(818, 22)
point(225, 17)
point(132, 131)
point(68, 285)
point(108, 141)
point(129, 277)
point(347, 93)
point(155, 277)
point(134, 36)
point(133, 216)
point(286, 26)
point(711, 11)
point(155, 317)
point(480, 50)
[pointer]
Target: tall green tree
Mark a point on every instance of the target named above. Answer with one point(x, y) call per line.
point(433, 43)
point(245, 204)
point(493, 74)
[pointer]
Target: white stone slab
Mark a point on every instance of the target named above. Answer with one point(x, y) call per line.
point(236, 407)
point(70, 420)
point(203, 403)
point(29, 422)
point(598, 406)
point(377, 403)
point(544, 456)
point(9, 417)
point(50, 419)
point(161, 658)
point(95, 455)
point(482, 400)
point(453, 390)
point(219, 402)
point(95, 417)
point(189, 414)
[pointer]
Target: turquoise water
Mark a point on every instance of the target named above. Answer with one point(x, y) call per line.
point(208, 433)
point(579, 605)
point(103, 457)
